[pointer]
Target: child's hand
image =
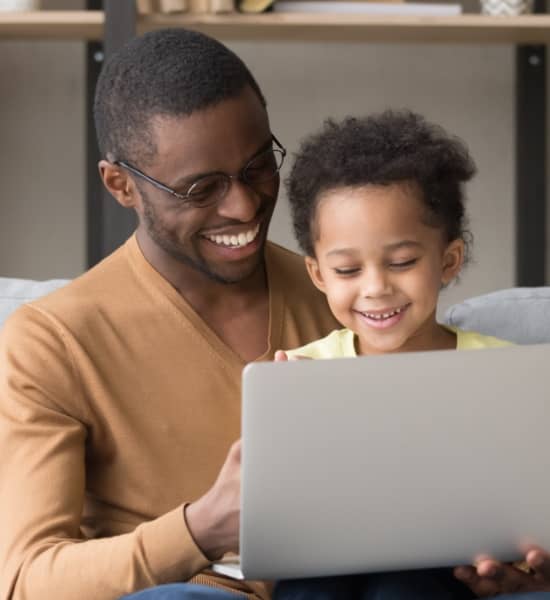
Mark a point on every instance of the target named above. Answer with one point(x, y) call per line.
point(282, 356)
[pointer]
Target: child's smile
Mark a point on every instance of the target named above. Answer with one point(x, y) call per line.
point(382, 266)
point(385, 318)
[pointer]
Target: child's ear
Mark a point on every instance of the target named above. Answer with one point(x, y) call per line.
point(314, 271)
point(453, 259)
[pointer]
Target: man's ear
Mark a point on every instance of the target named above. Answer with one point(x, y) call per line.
point(118, 183)
point(314, 272)
point(453, 259)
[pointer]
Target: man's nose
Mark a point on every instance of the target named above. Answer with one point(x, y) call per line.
point(240, 202)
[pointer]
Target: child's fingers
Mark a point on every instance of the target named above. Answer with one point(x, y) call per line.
point(282, 356)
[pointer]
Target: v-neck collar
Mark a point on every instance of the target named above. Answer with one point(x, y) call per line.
point(165, 293)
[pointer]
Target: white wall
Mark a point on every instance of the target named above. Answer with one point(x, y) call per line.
point(42, 187)
point(469, 90)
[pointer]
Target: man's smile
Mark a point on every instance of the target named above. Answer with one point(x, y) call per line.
point(237, 239)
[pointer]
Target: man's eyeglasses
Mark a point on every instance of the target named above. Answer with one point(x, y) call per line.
point(211, 188)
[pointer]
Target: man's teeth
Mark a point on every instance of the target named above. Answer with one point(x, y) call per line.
point(379, 317)
point(235, 241)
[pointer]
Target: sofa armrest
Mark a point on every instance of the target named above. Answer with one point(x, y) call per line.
point(14, 292)
point(520, 315)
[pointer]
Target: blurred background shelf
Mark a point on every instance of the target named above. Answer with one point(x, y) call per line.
point(479, 29)
point(107, 24)
point(52, 24)
point(467, 28)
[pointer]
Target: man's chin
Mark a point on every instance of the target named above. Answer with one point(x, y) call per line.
point(232, 276)
point(228, 273)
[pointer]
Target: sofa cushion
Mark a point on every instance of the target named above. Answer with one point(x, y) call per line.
point(520, 315)
point(14, 292)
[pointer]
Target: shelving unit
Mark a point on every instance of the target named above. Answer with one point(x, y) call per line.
point(530, 33)
point(467, 28)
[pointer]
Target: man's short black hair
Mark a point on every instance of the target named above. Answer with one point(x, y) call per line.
point(170, 72)
point(381, 149)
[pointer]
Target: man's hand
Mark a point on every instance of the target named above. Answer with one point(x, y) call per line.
point(490, 577)
point(213, 519)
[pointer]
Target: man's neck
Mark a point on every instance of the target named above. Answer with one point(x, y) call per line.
point(205, 294)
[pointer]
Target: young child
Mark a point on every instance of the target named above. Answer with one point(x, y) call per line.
point(378, 209)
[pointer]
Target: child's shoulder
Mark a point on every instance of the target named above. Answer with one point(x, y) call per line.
point(337, 344)
point(471, 340)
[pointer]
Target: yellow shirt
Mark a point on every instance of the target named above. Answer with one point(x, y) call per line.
point(341, 344)
point(118, 404)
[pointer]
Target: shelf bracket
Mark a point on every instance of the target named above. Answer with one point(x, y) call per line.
point(108, 223)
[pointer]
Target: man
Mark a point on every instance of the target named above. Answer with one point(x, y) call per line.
point(119, 394)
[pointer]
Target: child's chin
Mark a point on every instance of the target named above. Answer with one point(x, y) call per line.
point(377, 346)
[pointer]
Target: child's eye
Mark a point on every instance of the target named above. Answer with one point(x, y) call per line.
point(405, 264)
point(346, 272)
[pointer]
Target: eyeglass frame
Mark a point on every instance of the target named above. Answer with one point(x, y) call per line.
point(186, 197)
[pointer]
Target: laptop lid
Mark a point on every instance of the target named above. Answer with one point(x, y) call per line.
point(395, 461)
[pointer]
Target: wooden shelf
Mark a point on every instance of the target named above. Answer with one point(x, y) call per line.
point(52, 24)
point(468, 28)
point(471, 28)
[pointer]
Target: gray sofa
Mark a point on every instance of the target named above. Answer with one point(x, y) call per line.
point(521, 315)
point(14, 292)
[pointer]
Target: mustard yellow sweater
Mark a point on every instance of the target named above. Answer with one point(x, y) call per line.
point(118, 405)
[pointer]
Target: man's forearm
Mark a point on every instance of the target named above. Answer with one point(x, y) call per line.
point(159, 551)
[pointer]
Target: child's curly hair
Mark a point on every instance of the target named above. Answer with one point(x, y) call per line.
point(382, 149)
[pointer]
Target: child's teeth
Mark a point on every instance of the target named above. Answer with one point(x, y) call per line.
point(384, 315)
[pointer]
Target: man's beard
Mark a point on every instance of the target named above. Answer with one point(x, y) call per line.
point(159, 235)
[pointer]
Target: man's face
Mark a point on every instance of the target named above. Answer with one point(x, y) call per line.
point(225, 240)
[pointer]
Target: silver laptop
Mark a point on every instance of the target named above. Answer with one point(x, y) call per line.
point(393, 462)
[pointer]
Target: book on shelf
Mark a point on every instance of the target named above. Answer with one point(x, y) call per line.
point(172, 6)
point(199, 6)
point(254, 6)
point(367, 7)
point(222, 6)
point(147, 7)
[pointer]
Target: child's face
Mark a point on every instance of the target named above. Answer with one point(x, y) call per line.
point(382, 267)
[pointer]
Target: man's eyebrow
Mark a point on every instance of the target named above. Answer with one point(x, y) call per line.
point(190, 179)
point(387, 247)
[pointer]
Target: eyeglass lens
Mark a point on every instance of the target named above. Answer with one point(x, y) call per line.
point(260, 169)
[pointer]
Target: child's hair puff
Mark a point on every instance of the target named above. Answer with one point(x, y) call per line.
point(382, 149)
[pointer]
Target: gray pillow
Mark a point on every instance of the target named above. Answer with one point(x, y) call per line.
point(14, 292)
point(520, 315)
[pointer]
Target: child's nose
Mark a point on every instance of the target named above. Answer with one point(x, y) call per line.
point(375, 283)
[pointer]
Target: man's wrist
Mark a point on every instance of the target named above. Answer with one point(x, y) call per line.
point(201, 528)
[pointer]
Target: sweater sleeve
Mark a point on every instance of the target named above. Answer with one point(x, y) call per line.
point(43, 436)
